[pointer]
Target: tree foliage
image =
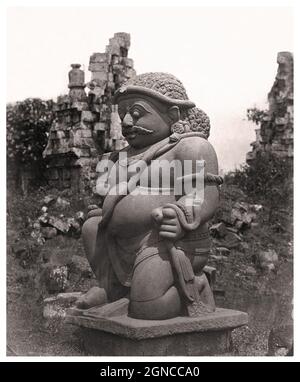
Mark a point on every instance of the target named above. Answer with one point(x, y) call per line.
point(268, 179)
point(28, 125)
point(256, 115)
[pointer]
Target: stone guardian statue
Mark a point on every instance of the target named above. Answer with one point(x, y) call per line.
point(149, 243)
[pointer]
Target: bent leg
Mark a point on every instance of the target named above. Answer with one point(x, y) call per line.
point(89, 237)
point(110, 288)
point(95, 296)
point(162, 308)
point(206, 294)
point(153, 295)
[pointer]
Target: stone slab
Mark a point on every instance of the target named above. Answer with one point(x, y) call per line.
point(222, 320)
point(211, 343)
point(108, 331)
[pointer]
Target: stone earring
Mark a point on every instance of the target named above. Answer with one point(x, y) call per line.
point(180, 127)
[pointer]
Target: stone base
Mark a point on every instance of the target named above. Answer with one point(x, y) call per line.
point(121, 335)
point(100, 343)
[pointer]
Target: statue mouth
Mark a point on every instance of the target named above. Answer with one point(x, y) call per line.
point(132, 132)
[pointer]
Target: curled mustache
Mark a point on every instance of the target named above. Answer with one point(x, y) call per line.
point(136, 130)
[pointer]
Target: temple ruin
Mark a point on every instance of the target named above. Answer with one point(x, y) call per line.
point(86, 123)
point(275, 134)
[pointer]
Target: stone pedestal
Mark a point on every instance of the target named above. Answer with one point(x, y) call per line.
point(121, 335)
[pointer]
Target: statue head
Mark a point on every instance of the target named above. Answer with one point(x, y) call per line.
point(152, 106)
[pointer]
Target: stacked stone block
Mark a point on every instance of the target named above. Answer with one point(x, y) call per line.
point(109, 71)
point(87, 125)
point(275, 134)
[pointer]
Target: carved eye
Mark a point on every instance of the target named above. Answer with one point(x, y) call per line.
point(136, 114)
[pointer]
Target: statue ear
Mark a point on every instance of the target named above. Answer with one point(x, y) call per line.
point(174, 114)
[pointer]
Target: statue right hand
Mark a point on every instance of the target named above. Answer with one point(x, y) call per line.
point(168, 222)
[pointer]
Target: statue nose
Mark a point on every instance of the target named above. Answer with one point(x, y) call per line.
point(127, 121)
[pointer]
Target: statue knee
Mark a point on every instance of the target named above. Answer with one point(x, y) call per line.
point(89, 235)
point(90, 227)
point(165, 307)
point(152, 294)
point(152, 277)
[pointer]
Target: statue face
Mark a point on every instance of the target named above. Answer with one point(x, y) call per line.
point(144, 121)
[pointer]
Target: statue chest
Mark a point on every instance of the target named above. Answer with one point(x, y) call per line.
point(147, 187)
point(160, 173)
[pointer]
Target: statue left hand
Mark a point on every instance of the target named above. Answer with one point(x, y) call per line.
point(169, 225)
point(94, 212)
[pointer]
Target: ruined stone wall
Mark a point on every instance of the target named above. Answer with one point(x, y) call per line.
point(87, 124)
point(275, 134)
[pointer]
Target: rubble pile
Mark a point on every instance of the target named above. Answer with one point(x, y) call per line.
point(53, 247)
point(228, 234)
point(47, 226)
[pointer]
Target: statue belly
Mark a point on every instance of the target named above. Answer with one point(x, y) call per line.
point(132, 215)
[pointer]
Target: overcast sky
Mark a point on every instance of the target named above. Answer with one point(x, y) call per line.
point(225, 57)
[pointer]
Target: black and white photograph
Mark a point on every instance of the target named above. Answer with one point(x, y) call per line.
point(149, 182)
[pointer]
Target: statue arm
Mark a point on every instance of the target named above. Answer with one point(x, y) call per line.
point(200, 149)
point(187, 214)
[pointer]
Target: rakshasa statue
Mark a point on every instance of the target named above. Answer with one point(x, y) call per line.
point(148, 249)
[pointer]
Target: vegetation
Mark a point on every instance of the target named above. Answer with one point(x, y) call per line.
point(28, 125)
point(268, 179)
point(256, 115)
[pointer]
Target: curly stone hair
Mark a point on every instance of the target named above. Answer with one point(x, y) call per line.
point(192, 119)
point(198, 121)
point(164, 83)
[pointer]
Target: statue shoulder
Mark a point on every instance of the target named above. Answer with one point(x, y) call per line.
point(194, 147)
point(113, 155)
